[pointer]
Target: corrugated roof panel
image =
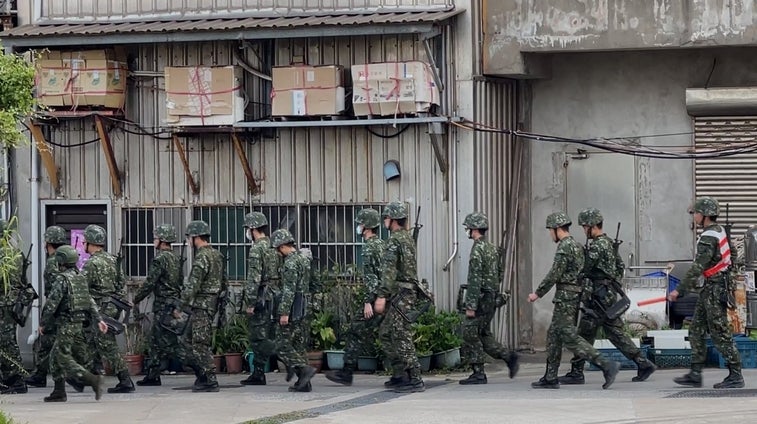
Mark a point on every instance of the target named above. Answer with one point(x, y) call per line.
point(210, 24)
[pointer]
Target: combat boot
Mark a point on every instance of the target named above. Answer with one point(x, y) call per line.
point(96, 382)
point(734, 380)
point(543, 383)
point(692, 379)
point(610, 372)
point(36, 380)
point(414, 385)
point(575, 376)
point(290, 373)
point(396, 381)
point(304, 375)
point(150, 381)
point(257, 378)
point(59, 392)
point(15, 385)
point(207, 383)
point(343, 376)
point(76, 384)
point(478, 376)
point(125, 385)
point(512, 364)
point(646, 368)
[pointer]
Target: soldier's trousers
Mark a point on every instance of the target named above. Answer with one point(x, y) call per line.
point(360, 338)
point(198, 344)
point(10, 359)
point(711, 316)
point(259, 326)
point(164, 346)
point(70, 353)
point(478, 338)
point(613, 329)
point(44, 349)
point(563, 333)
point(106, 348)
point(290, 346)
point(396, 335)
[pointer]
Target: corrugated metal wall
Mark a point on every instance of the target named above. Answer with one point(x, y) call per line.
point(327, 165)
point(120, 9)
point(731, 179)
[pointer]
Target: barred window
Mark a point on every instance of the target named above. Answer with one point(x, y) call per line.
point(227, 235)
point(137, 240)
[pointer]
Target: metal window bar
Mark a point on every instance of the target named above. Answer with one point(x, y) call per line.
point(137, 239)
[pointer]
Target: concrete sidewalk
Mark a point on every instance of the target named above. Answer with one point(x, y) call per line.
point(501, 401)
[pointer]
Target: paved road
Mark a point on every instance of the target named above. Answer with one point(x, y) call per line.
point(501, 401)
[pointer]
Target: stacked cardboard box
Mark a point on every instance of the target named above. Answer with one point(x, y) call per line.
point(83, 78)
point(307, 90)
point(204, 96)
point(393, 88)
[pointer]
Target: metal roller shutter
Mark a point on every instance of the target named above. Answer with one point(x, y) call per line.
point(732, 179)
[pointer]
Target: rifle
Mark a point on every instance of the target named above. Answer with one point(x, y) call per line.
point(120, 277)
point(730, 300)
point(417, 227)
point(621, 305)
point(26, 296)
point(223, 295)
point(182, 259)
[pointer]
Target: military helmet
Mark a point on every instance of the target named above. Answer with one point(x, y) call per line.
point(557, 220)
point(590, 217)
point(707, 206)
point(66, 255)
point(55, 235)
point(369, 218)
point(198, 228)
point(95, 234)
point(165, 233)
point(281, 237)
point(395, 210)
point(255, 220)
point(476, 221)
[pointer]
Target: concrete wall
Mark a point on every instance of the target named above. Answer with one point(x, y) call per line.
point(622, 94)
point(515, 26)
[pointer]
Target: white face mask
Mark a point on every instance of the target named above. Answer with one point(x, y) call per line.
point(359, 230)
point(248, 235)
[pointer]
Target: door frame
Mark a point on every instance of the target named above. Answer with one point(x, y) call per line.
point(108, 210)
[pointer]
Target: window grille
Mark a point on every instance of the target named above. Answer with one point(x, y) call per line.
point(137, 236)
point(227, 235)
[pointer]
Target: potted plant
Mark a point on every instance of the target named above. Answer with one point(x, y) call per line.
point(447, 340)
point(218, 345)
point(322, 338)
point(423, 340)
point(135, 347)
point(236, 339)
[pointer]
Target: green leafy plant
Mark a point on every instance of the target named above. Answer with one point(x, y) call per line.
point(16, 99)
point(135, 337)
point(236, 335)
point(11, 258)
point(321, 331)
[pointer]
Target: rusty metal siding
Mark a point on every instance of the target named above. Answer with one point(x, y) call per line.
point(78, 10)
point(494, 179)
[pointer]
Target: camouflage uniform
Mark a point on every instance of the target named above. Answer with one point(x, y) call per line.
point(295, 280)
point(601, 266)
point(710, 313)
point(363, 332)
point(69, 308)
point(262, 281)
point(482, 287)
point(54, 235)
point(567, 265)
point(200, 293)
point(164, 280)
point(104, 281)
point(11, 367)
point(399, 280)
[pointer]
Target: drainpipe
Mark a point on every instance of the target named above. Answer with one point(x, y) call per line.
point(34, 238)
point(453, 172)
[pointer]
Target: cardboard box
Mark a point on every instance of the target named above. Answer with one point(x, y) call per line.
point(307, 91)
point(202, 91)
point(393, 88)
point(237, 115)
point(85, 78)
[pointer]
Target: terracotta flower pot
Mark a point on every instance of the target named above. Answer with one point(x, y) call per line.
point(233, 363)
point(134, 364)
point(218, 361)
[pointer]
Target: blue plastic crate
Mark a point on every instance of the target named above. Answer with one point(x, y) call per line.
point(671, 358)
point(747, 350)
point(614, 354)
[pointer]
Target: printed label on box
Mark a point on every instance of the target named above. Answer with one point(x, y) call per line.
point(298, 103)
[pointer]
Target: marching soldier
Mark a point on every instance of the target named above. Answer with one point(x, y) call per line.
point(480, 303)
point(567, 265)
point(165, 282)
